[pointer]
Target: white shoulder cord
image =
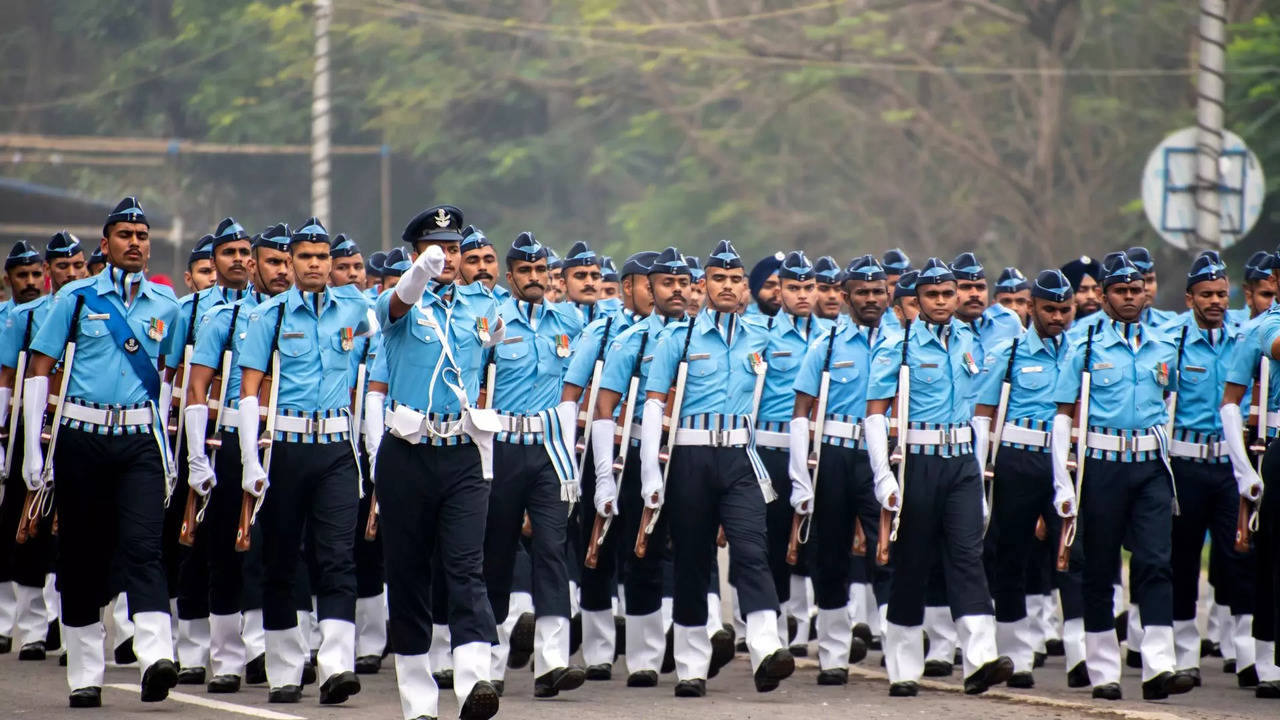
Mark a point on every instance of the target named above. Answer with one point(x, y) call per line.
point(445, 429)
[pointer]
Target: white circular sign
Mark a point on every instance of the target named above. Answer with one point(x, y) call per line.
point(1169, 183)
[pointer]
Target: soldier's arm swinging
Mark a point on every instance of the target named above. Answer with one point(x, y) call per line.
point(41, 364)
point(198, 384)
point(606, 403)
point(803, 406)
point(250, 379)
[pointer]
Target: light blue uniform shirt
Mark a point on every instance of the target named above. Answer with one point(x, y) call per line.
point(721, 378)
point(620, 361)
point(1265, 332)
point(943, 380)
point(1202, 371)
point(15, 328)
point(789, 338)
point(529, 371)
point(101, 372)
point(1127, 391)
point(184, 330)
point(411, 347)
point(1036, 367)
point(593, 342)
point(314, 365)
point(1160, 319)
point(850, 368)
point(211, 338)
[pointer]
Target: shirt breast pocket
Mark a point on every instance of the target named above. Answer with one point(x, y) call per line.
point(93, 328)
point(926, 374)
point(702, 365)
point(1109, 376)
point(783, 362)
point(845, 375)
point(1032, 380)
point(422, 333)
point(295, 346)
point(513, 352)
point(1194, 376)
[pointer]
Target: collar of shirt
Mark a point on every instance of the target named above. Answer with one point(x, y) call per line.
point(317, 303)
point(439, 294)
point(724, 323)
point(926, 332)
point(588, 311)
point(113, 279)
point(530, 314)
point(1115, 332)
point(1034, 343)
point(802, 326)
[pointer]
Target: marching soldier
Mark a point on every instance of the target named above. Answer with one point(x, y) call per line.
point(215, 366)
point(1207, 489)
point(763, 286)
point(1083, 274)
point(1014, 292)
point(97, 262)
point(22, 566)
point(555, 268)
point(229, 249)
point(1023, 488)
point(348, 263)
point(534, 453)
point(1125, 489)
point(108, 454)
point(790, 332)
point(373, 273)
point(716, 363)
point(1151, 315)
point(844, 492)
point(610, 284)
point(304, 338)
point(433, 463)
point(896, 264)
point(598, 629)
point(937, 496)
point(829, 295)
point(581, 271)
point(199, 274)
point(480, 262)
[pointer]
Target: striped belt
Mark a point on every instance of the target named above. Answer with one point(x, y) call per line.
point(1198, 451)
point(312, 426)
point(715, 438)
point(1018, 435)
point(842, 430)
point(107, 417)
point(949, 436)
point(771, 439)
point(521, 423)
point(1121, 443)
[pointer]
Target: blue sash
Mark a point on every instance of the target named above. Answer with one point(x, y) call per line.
point(119, 328)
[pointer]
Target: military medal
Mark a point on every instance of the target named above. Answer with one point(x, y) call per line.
point(155, 330)
point(562, 346)
point(348, 338)
point(482, 329)
point(1162, 373)
point(970, 364)
point(758, 365)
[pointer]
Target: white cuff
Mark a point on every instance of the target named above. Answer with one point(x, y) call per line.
point(981, 425)
point(602, 447)
point(1247, 481)
point(196, 418)
point(876, 428)
point(650, 444)
point(248, 427)
point(374, 421)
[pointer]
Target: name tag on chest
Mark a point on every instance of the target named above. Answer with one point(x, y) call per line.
point(292, 335)
point(699, 356)
point(842, 364)
point(1032, 369)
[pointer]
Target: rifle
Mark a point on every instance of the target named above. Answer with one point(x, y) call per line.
point(889, 519)
point(187, 535)
point(859, 548)
point(1262, 402)
point(1173, 395)
point(182, 377)
point(600, 527)
point(357, 416)
point(593, 394)
point(675, 398)
point(801, 524)
point(1002, 410)
point(15, 412)
point(371, 524)
point(483, 399)
point(223, 379)
point(1246, 525)
point(1068, 536)
point(249, 505)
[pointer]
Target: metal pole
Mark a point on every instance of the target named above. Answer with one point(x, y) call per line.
point(320, 115)
point(385, 175)
point(1209, 115)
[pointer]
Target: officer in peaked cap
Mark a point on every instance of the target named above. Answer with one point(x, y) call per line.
point(828, 276)
point(1127, 495)
point(1023, 487)
point(1202, 469)
point(763, 284)
point(348, 262)
point(533, 453)
point(112, 466)
point(480, 262)
point(1014, 292)
point(941, 446)
point(721, 475)
point(199, 273)
point(1083, 274)
point(581, 272)
point(846, 489)
point(792, 329)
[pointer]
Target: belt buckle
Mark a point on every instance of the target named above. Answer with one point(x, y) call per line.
point(947, 436)
point(524, 424)
point(719, 437)
point(1127, 444)
point(113, 418)
point(309, 426)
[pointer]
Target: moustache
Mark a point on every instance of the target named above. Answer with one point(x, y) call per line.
point(534, 285)
point(482, 275)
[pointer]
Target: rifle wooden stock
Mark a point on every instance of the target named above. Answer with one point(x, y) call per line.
point(1042, 531)
point(721, 540)
point(187, 535)
point(28, 526)
point(793, 542)
point(371, 524)
point(593, 545)
point(1242, 526)
point(1064, 545)
point(246, 522)
point(53, 526)
point(882, 542)
point(859, 548)
point(526, 527)
point(642, 538)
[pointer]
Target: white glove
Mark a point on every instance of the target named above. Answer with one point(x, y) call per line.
point(6, 399)
point(650, 440)
point(798, 467)
point(1247, 480)
point(981, 426)
point(199, 473)
point(165, 403)
point(374, 422)
point(414, 281)
point(602, 458)
point(1064, 490)
point(253, 479)
point(876, 428)
point(35, 398)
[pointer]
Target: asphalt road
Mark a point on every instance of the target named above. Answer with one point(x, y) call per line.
point(38, 690)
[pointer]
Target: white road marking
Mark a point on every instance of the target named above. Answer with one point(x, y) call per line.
point(214, 704)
